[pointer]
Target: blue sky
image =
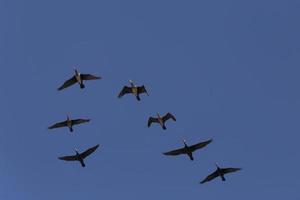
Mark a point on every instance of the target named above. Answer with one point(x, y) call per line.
point(228, 70)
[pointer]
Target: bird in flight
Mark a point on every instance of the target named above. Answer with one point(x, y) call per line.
point(219, 172)
point(133, 89)
point(161, 120)
point(69, 123)
point(80, 156)
point(188, 149)
point(78, 78)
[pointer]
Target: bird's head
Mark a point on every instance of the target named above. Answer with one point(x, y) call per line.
point(217, 165)
point(76, 71)
point(131, 82)
point(77, 152)
point(184, 141)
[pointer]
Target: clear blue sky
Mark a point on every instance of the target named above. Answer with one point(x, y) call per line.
point(228, 70)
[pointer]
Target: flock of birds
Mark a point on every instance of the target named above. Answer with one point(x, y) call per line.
point(161, 120)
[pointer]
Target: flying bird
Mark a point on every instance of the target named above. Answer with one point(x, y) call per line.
point(161, 120)
point(219, 172)
point(80, 156)
point(133, 89)
point(188, 149)
point(78, 78)
point(69, 123)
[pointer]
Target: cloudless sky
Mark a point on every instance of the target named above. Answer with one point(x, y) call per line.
point(228, 70)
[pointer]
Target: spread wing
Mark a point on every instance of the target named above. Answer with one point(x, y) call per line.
point(68, 83)
point(142, 89)
point(200, 145)
point(152, 120)
point(58, 125)
point(89, 151)
point(176, 152)
point(125, 90)
point(68, 158)
point(230, 170)
point(79, 121)
point(168, 116)
point(89, 77)
point(210, 177)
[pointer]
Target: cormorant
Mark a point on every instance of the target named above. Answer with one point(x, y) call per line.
point(161, 120)
point(69, 123)
point(80, 156)
point(219, 172)
point(188, 149)
point(133, 89)
point(78, 78)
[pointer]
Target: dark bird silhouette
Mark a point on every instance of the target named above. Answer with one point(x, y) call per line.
point(133, 89)
point(78, 78)
point(161, 120)
point(69, 123)
point(219, 172)
point(80, 156)
point(188, 149)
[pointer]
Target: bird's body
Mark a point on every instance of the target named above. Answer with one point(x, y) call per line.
point(78, 78)
point(219, 172)
point(80, 156)
point(133, 89)
point(188, 149)
point(69, 123)
point(161, 120)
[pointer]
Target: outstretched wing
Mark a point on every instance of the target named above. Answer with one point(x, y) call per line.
point(68, 83)
point(142, 89)
point(176, 152)
point(125, 90)
point(200, 145)
point(58, 125)
point(229, 170)
point(210, 177)
point(152, 120)
point(79, 121)
point(168, 116)
point(68, 158)
point(89, 77)
point(89, 151)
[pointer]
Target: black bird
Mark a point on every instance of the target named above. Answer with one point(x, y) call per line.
point(188, 149)
point(69, 123)
point(219, 172)
point(161, 120)
point(133, 89)
point(80, 156)
point(78, 78)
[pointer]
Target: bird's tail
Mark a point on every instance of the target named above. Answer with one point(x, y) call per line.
point(82, 163)
point(138, 98)
point(82, 86)
point(223, 178)
point(164, 127)
point(71, 129)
